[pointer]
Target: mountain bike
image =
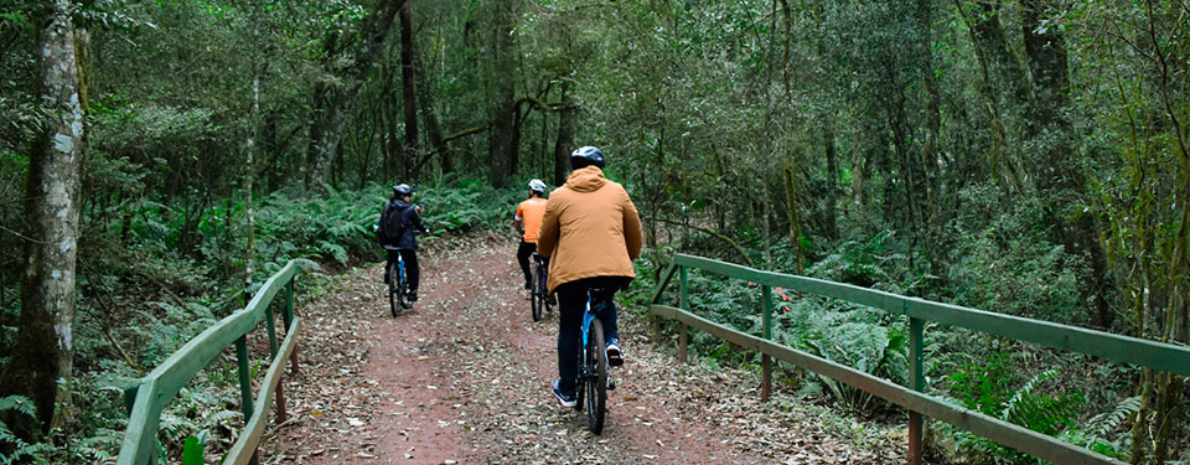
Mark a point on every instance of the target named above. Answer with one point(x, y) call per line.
point(540, 301)
point(593, 381)
point(398, 300)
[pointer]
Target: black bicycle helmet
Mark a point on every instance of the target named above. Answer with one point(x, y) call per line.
point(587, 156)
point(401, 190)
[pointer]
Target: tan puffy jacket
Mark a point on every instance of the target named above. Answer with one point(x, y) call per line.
point(590, 229)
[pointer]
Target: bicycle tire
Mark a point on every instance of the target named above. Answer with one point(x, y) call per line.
point(580, 384)
point(537, 300)
point(545, 294)
point(394, 292)
point(402, 298)
point(597, 384)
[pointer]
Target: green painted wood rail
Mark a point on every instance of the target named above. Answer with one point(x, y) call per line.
point(1123, 349)
point(149, 397)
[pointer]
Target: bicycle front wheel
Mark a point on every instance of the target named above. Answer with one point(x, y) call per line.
point(597, 383)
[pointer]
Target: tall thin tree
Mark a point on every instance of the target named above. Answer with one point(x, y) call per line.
point(42, 359)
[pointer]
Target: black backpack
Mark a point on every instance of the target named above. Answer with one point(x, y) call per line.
point(391, 226)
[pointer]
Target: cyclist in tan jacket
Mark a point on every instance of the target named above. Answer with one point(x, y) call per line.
point(591, 233)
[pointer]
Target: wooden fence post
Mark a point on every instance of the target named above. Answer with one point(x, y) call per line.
point(917, 383)
point(130, 393)
point(766, 362)
point(289, 321)
point(245, 383)
point(272, 326)
point(682, 329)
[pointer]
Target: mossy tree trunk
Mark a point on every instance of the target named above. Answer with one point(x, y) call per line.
point(41, 363)
point(565, 141)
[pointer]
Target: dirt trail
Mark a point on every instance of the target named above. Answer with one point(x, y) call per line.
point(463, 378)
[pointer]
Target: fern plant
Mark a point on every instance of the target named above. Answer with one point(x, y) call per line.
point(868, 348)
point(989, 389)
point(22, 452)
point(1098, 432)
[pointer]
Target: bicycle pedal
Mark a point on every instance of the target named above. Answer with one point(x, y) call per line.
point(611, 384)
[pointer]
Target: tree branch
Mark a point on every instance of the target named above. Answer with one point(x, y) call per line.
point(465, 133)
point(711, 232)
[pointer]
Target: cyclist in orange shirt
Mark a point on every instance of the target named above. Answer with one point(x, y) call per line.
point(527, 223)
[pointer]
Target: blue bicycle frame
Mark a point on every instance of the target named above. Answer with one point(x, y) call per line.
point(400, 268)
point(588, 317)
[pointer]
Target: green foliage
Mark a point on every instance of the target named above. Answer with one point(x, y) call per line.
point(1107, 433)
point(859, 262)
point(192, 450)
point(12, 449)
point(1010, 267)
point(469, 206)
point(871, 349)
point(993, 389)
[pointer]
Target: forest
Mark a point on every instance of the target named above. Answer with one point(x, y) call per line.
point(159, 159)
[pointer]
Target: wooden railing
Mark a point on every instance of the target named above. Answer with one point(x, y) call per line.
point(149, 397)
point(1139, 352)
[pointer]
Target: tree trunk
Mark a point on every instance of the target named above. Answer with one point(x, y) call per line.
point(991, 45)
point(408, 92)
point(996, 64)
point(831, 231)
point(543, 157)
point(43, 351)
point(327, 132)
point(429, 115)
point(250, 166)
point(1059, 179)
point(931, 215)
point(565, 143)
point(502, 110)
point(795, 219)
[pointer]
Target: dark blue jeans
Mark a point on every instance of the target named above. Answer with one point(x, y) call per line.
point(572, 302)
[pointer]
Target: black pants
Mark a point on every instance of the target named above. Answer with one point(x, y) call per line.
point(522, 256)
point(572, 302)
point(412, 270)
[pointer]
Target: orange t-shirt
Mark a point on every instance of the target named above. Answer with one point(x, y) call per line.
point(530, 212)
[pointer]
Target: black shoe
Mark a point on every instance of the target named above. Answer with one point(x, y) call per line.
point(411, 296)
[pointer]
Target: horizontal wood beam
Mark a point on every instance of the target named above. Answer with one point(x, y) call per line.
point(1008, 434)
point(1124, 349)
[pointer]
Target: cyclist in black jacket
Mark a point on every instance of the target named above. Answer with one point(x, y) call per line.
point(399, 226)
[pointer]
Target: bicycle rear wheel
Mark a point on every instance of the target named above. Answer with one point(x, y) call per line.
point(545, 292)
point(580, 384)
point(597, 382)
point(395, 301)
point(402, 300)
point(537, 297)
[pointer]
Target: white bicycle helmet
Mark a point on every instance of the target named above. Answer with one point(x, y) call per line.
point(537, 185)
